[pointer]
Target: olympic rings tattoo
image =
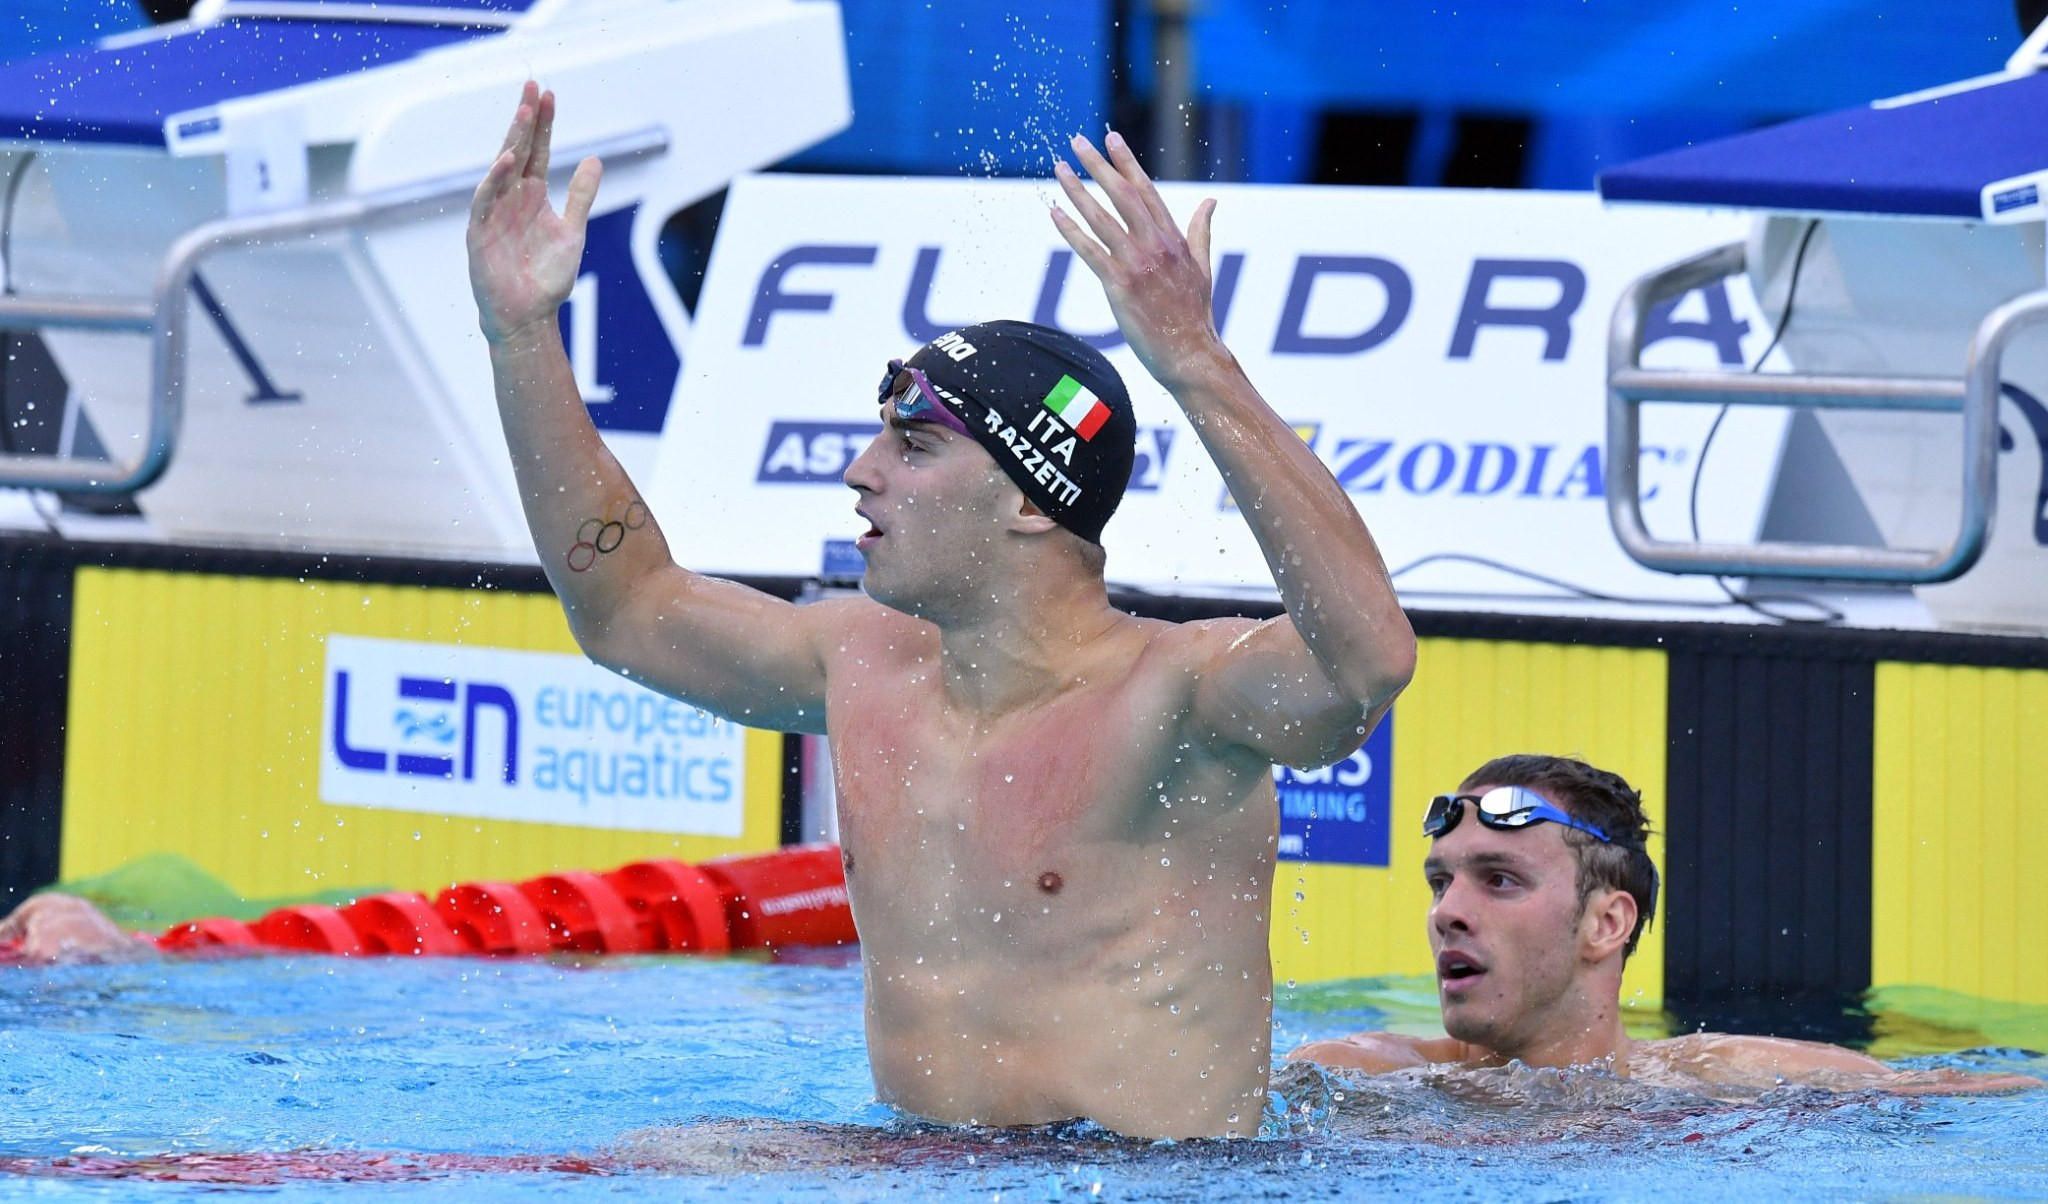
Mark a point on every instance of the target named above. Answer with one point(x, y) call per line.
point(598, 536)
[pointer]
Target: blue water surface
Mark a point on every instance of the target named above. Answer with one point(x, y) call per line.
point(681, 1078)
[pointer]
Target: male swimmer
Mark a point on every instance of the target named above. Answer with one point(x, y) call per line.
point(1542, 887)
point(1058, 819)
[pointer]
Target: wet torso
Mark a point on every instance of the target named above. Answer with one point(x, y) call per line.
point(1064, 911)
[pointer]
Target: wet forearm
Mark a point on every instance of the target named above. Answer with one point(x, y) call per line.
point(589, 524)
point(1324, 561)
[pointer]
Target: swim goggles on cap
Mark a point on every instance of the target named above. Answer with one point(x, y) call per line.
point(910, 394)
point(1504, 809)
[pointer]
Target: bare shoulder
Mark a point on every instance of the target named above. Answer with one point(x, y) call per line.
point(853, 614)
point(860, 627)
point(1182, 652)
point(1169, 659)
point(1258, 689)
point(1378, 1053)
point(1204, 639)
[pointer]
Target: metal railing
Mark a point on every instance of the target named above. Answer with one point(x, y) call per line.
point(1974, 396)
point(164, 315)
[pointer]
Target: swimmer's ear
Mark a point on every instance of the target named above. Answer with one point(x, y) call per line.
point(1030, 519)
point(1609, 920)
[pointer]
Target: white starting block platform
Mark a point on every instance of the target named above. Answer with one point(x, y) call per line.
point(238, 241)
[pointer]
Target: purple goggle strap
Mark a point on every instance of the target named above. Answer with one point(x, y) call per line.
point(918, 403)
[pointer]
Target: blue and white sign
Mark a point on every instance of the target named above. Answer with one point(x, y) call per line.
point(536, 736)
point(1443, 351)
point(1341, 813)
point(621, 352)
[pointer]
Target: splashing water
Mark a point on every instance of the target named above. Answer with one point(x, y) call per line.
point(666, 1078)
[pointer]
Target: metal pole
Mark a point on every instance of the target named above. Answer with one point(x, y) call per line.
point(163, 315)
point(1173, 101)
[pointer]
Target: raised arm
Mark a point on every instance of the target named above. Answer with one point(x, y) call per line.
point(722, 646)
point(1304, 688)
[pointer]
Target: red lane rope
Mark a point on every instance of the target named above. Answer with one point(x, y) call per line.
point(346, 1166)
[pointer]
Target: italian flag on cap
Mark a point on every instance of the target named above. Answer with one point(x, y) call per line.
point(1077, 407)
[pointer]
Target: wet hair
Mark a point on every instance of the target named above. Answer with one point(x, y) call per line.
point(1607, 802)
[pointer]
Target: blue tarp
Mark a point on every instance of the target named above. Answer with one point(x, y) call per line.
point(995, 87)
point(452, 7)
point(1755, 61)
point(123, 95)
point(1932, 158)
point(31, 27)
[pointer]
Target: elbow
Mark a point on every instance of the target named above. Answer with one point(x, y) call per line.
point(597, 636)
point(1388, 670)
point(609, 625)
point(1355, 704)
point(1398, 665)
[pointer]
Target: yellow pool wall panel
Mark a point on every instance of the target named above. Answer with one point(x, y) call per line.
point(195, 721)
point(1471, 701)
point(1959, 823)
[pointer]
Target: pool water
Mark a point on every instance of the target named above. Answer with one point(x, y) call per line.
point(683, 1078)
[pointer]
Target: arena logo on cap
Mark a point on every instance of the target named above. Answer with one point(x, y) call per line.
point(1079, 408)
point(955, 347)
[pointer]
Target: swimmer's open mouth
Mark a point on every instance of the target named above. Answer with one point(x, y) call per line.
point(1453, 966)
point(868, 537)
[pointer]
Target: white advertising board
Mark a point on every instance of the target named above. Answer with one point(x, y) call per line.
point(507, 734)
point(1443, 352)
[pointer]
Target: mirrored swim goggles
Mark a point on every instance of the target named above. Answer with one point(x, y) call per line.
point(909, 393)
point(1504, 809)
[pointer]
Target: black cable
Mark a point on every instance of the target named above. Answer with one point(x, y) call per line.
point(14, 180)
point(1754, 602)
point(1828, 615)
point(1777, 333)
point(1751, 602)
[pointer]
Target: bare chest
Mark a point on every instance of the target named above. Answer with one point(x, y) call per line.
point(920, 781)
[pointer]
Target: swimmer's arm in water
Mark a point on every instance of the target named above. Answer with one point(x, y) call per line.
point(1303, 688)
point(54, 928)
point(722, 646)
point(1756, 1061)
point(1378, 1053)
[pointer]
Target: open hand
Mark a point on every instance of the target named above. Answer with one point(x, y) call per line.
point(1157, 279)
point(522, 257)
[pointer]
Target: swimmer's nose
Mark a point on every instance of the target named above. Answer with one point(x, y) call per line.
point(860, 475)
point(1449, 914)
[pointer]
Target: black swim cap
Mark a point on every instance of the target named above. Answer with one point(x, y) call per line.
point(1050, 409)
